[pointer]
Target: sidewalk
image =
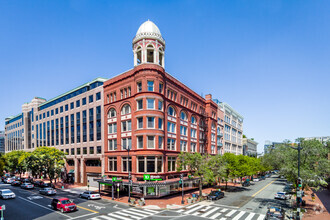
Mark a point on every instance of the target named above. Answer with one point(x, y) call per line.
point(315, 209)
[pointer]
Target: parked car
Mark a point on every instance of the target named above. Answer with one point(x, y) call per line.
point(262, 177)
point(246, 183)
point(256, 180)
point(267, 175)
point(214, 195)
point(27, 186)
point(7, 194)
point(282, 195)
point(16, 183)
point(9, 180)
point(38, 183)
point(275, 213)
point(90, 195)
point(47, 191)
point(63, 204)
point(25, 181)
point(47, 185)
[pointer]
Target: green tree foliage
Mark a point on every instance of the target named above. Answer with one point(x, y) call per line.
point(16, 161)
point(2, 163)
point(314, 163)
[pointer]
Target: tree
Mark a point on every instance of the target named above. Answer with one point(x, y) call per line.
point(217, 166)
point(2, 163)
point(197, 165)
point(16, 161)
point(51, 160)
point(34, 164)
point(231, 167)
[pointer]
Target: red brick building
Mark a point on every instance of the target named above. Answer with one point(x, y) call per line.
point(155, 116)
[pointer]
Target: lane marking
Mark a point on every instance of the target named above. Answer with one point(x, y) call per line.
point(235, 207)
point(44, 207)
point(87, 209)
point(135, 213)
point(145, 211)
point(216, 215)
point(250, 216)
point(119, 216)
point(223, 210)
point(239, 215)
point(261, 217)
point(262, 188)
point(83, 215)
point(209, 212)
point(231, 212)
point(194, 209)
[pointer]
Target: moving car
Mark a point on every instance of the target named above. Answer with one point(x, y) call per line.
point(255, 180)
point(7, 194)
point(275, 213)
point(90, 195)
point(46, 185)
point(16, 183)
point(27, 186)
point(9, 180)
point(282, 195)
point(63, 204)
point(214, 195)
point(47, 191)
point(38, 183)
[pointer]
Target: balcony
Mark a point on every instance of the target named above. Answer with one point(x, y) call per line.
point(219, 144)
point(220, 134)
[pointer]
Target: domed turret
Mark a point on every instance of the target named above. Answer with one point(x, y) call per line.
point(148, 45)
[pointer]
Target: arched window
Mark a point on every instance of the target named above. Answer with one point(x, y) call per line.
point(150, 53)
point(171, 111)
point(193, 120)
point(183, 116)
point(161, 55)
point(139, 55)
point(126, 109)
point(112, 113)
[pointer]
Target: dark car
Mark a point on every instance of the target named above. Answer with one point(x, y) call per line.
point(47, 191)
point(47, 185)
point(262, 177)
point(90, 195)
point(274, 213)
point(64, 205)
point(214, 195)
point(25, 181)
point(38, 183)
point(16, 183)
point(246, 183)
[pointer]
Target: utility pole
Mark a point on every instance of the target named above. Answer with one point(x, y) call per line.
point(181, 179)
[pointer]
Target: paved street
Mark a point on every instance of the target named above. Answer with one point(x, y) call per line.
point(247, 203)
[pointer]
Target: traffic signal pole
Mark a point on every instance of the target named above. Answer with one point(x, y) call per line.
point(181, 176)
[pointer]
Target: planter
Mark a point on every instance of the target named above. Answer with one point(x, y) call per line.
point(189, 200)
point(141, 203)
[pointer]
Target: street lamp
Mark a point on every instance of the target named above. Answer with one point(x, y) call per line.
point(129, 174)
point(299, 179)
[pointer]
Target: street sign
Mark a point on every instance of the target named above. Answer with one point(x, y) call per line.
point(114, 178)
point(299, 194)
point(146, 176)
point(3, 207)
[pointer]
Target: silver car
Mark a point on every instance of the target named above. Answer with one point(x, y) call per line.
point(47, 191)
point(90, 195)
point(7, 194)
point(27, 186)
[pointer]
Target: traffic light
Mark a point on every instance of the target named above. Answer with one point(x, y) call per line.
point(181, 177)
point(299, 182)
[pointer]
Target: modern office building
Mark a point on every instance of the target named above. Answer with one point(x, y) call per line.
point(2, 141)
point(155, 116)
point(322, 139)
point(250, 147)
point(233, 128)
point(71, 122)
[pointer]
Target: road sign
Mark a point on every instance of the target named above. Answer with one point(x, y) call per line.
point(299, 194)
point(146, 176)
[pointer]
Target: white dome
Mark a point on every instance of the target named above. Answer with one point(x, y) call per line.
point(148, 27)
point(148, 30)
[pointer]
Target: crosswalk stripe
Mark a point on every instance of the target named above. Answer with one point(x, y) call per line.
point(119, 217)
point(223, 210)
point(209, 212)
point(231, 212)
point(250, 216)
point(215, 215)
point(129, 215)
point(261, 217)
point(223, 218)
point(145, 211)
point(194, 209)
point(202, 210)
point(105, 217)
point(239, 215)
point(134, 213)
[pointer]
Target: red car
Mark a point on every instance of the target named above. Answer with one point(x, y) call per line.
point(64, 205)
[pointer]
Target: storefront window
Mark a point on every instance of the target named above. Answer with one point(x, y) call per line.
point(151, 164)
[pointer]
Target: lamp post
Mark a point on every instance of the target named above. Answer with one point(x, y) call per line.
point(181, 178)
point(129, 175)
point(298, 187)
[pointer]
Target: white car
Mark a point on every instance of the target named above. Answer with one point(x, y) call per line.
point(255, 180)
point(90, 195)
point(282, 195)
point(7, 194)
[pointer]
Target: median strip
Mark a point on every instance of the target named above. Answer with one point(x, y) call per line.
point(262, 189)
point(87, 209)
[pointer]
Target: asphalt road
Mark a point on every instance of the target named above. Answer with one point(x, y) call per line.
point(247, 203)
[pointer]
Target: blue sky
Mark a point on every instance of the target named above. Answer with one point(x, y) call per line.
point(268, 59)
